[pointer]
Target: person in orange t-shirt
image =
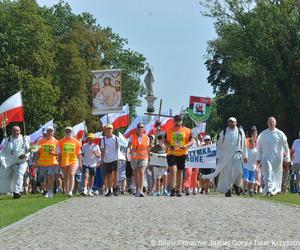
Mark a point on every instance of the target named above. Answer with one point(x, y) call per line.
point(69, 151)
point(178, 141)
point(47, 160)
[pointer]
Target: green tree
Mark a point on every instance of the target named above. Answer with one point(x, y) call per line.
point(253, 63)
point(27, 60)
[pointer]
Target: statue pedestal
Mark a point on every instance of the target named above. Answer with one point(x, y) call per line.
point(150, 107)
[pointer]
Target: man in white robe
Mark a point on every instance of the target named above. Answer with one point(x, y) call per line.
point(14, 147)
point(231, 153)
point(272, 144)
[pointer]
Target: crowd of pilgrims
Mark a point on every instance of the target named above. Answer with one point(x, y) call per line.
point(246, 163)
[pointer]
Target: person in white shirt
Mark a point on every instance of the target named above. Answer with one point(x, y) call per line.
point(91, 154)
point(251, 166)
point(109, 146)
point(272, 145)
point(295, 153)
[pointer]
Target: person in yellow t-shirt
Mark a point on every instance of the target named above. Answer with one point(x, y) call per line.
point(178, 140)
point(69, 152)
point(47, 160)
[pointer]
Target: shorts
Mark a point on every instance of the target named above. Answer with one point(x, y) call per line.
point(206, 171)
point(88, 170)
point(139, 163)
point(109, 167)
point(122, 171)
point(249, 176)
point(44, 172)
point(159, 172)
point(178, 161)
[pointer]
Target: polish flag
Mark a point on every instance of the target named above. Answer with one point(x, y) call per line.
point(12, 109)
point(199, 129)
point(165, 124)
point(79, 130)
point(132, 127)
point(98, 137)
point(34, 137)
point(118, 120)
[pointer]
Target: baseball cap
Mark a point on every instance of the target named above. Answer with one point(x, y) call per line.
point(50, 128)
point(109, 126)
point(68, 128)
point(233, 119)
point(178, 117)
point(44, 130)
point(207, 137)
point(91, 136)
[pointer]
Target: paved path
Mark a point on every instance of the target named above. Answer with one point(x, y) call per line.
point(126, 222)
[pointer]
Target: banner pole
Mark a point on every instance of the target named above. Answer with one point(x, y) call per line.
point(24, 126)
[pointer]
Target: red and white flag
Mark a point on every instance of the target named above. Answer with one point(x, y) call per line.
point(165, 124)
point(12, 109)
point(118, 120)
point(199, 129)
point(79, 130)
point(34, 137)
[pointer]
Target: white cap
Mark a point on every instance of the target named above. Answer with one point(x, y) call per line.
point(68, 128)
point(233, 119)
point(207, 137)
point(50, 128)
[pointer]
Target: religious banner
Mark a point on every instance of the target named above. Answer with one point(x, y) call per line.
point(107, 91)
point(202, 157)
point(159, 160)
point(199, 108)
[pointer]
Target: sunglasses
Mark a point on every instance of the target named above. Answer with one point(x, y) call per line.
point(68, 131)
point(140, 127)
point(177, 120)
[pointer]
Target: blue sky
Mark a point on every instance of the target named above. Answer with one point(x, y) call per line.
point(171, 34)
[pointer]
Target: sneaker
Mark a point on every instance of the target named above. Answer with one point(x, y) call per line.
point(49, 195)
point(187, 192)
point(137, 194)
point(17, 195)
point(122, 192)
point(194, 191)
point(165, 193)
point(115, 193)
point(141, 194)
point(108, 194)
point(156, 194)
point(237, 189)
point(84, 193)
point(228, 194)
point(202, 191)
point(206, 192)
point(178, 194)
point(90, 193)
point(173, 192)
point(70, 194)
point(96, 192)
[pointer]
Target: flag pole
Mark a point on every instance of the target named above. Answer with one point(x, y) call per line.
point(24, 126)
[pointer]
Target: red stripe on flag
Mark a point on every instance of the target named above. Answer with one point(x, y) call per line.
point(13, 115)
point(121, 121)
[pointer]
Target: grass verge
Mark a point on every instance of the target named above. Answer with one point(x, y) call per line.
point(13, 210)
point(288, 198)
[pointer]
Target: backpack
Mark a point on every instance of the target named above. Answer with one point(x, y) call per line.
point(240, 136)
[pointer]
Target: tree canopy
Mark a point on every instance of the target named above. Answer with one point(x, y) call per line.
point(254, 63)
point(48, 54)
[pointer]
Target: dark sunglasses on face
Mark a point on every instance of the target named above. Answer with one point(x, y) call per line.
point(68, 131)
point(140, 127)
